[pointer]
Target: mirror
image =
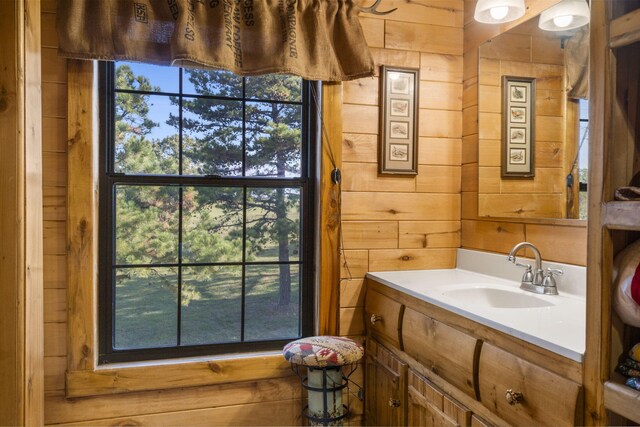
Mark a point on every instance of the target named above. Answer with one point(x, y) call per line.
point(543, 137)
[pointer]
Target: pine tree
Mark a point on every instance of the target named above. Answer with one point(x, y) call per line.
point(272, 139)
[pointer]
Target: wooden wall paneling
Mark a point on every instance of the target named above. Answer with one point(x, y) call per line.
point(491, 236)
point(423, 38)
point(426, 12)
point(360, 148)
point(275, 413)
point(557, 243)
point(438, 179)
point(352, 293)
point(352, 321)
point(21, 296)
point(55, 272)
point(103, 408)
point(370, 234)
point(373, 30)
point(400, 206)
point(440, 95)
point(361, 91)
point(364, 177)
point(470, 177)
point(524, 206)
point(412, 259)
point(440, 68)
point(400, 58)
point(353, 264)
point(470, 152)
point(429, 234)
point(439, 151)
point(440, 123)
point(469, 205)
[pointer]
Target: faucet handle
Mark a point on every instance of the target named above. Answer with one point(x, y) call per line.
point(527, 266)
point(551, 271)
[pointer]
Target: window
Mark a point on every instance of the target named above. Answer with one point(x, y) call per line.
point(206, 212)
point(583, 157)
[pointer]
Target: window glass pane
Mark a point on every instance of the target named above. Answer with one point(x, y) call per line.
point(272, 302)
point(212, 224)
point(273, 224)
point(211, 305)
point(277, 87)
point(212, 137)
point(147, 77)
point(212, 83)
point(146, 142)
point(146, 306)
point(146, 224)
point(274, 139)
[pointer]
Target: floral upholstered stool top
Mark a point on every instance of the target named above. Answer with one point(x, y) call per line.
point(323, 351)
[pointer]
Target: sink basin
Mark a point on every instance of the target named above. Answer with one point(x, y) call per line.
point(497, 297)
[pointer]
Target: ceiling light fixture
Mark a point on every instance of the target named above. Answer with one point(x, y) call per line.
point(498, 11)
point(566, 15)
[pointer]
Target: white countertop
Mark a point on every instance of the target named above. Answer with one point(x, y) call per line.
point(559, 327)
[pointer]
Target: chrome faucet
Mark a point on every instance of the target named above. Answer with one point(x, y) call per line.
point(535, 279)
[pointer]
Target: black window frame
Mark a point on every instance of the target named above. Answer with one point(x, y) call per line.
point(108, 179)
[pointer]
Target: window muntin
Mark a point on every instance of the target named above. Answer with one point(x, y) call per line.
point(206, 192)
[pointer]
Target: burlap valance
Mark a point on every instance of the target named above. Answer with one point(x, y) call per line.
point(576, 59)
point(315, 39)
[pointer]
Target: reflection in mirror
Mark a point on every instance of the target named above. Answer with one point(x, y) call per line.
point(558, 140)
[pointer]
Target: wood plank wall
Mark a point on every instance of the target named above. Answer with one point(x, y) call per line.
point(268, 402)
point(558, 240)
point(525, 51)
point(403, 223)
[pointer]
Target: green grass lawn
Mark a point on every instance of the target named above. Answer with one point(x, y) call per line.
point(146, 307)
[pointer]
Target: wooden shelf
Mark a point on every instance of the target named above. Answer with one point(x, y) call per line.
point(621, 215)
point(622, 400)
point(625, 30)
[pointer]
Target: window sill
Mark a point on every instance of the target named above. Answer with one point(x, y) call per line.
point(177, 373)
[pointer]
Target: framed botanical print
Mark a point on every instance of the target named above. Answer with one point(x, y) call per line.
point(518, 127)
point(398, 147)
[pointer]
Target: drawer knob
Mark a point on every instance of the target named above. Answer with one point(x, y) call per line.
point(513, 397)
point(375, 318)
point(394, 403)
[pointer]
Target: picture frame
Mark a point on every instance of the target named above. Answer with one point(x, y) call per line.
point(518, 127)
point(398, 139)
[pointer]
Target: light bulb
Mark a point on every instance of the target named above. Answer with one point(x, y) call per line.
point(499, 12)
point(563, 21)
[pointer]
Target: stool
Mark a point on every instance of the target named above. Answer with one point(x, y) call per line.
point(324, 357)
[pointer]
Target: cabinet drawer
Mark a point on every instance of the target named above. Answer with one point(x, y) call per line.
point(446, 351)
point(546, 398)
point(382, 317)
point(428, 406)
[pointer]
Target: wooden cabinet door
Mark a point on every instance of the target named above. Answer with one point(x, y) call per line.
point(428, 406)
point(386, 385)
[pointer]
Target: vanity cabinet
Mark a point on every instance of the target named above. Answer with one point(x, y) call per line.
point(430, 367)
point(386, 374)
